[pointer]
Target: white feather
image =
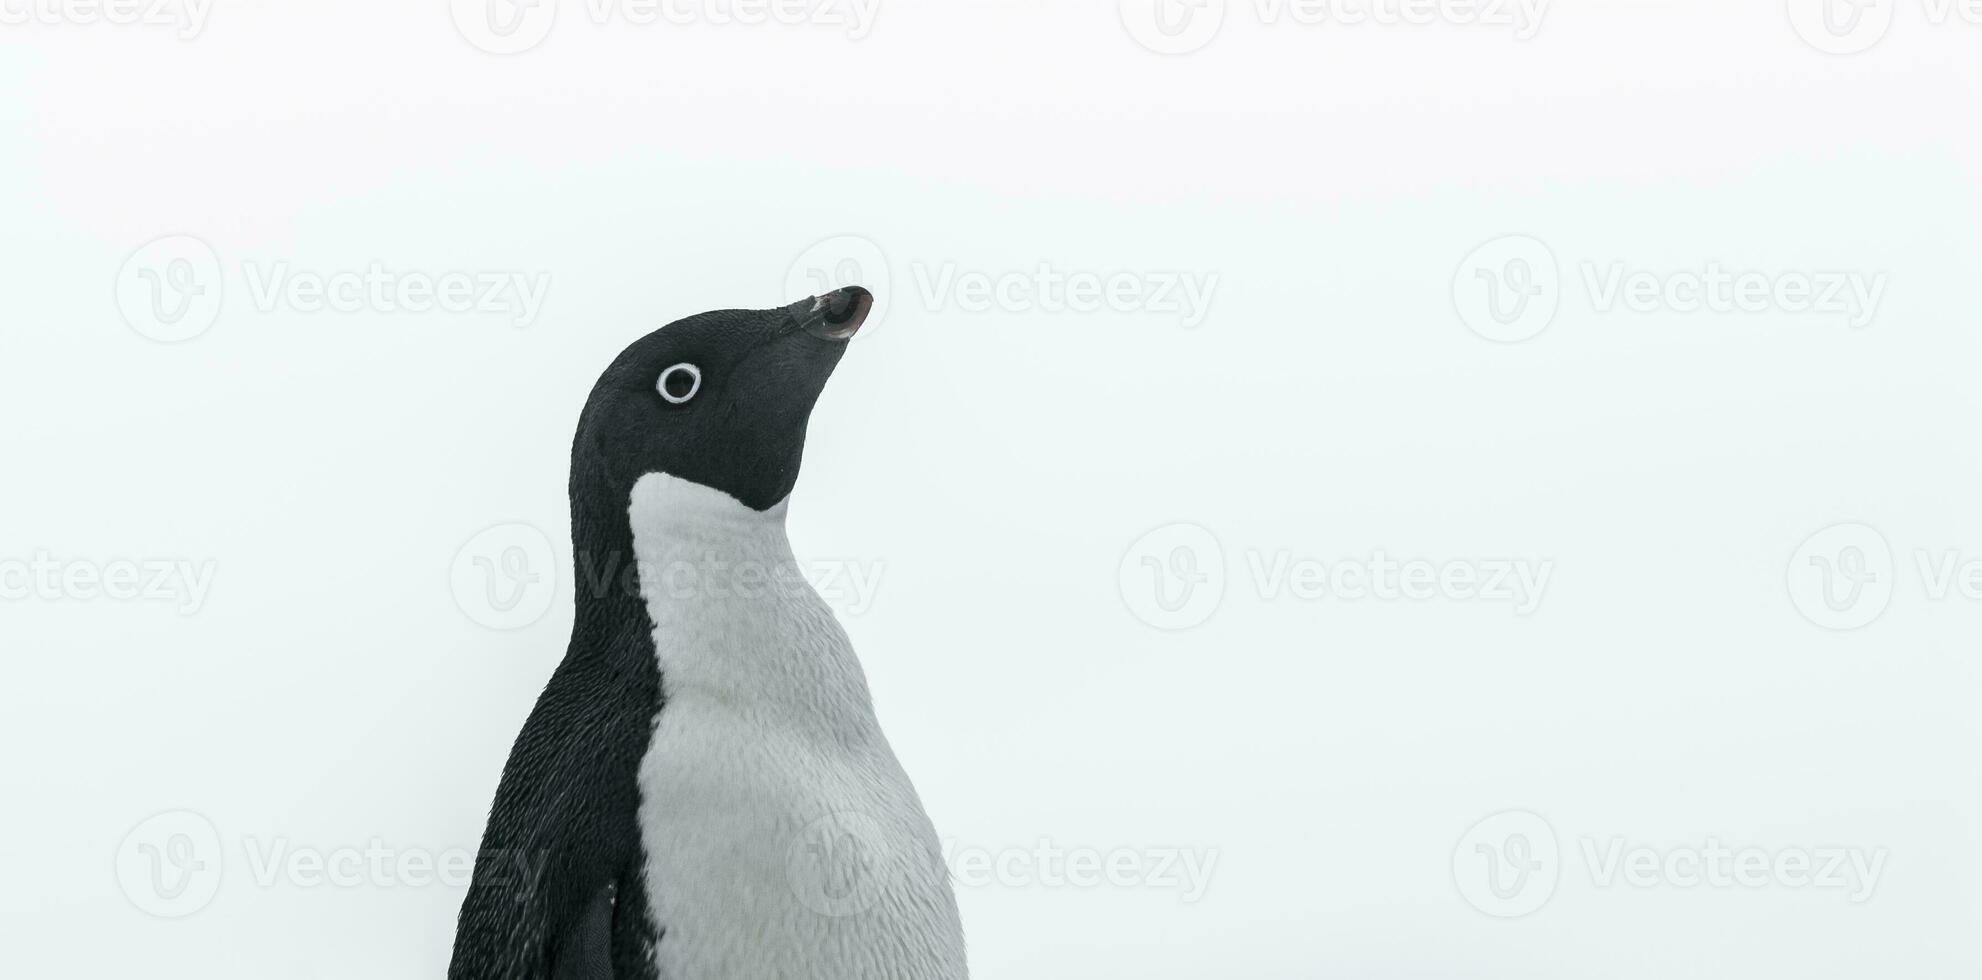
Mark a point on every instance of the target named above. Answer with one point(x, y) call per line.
point(783, 840)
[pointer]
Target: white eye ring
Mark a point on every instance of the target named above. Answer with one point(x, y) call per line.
point(694, 384)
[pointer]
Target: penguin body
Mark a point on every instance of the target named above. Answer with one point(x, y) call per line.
point(702, 791)
point(769, 793)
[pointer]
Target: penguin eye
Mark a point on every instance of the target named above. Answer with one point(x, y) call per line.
point(680, 383)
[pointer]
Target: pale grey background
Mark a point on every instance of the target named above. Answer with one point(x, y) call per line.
point(1000, 464)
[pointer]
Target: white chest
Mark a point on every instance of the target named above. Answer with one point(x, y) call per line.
point(783, 839)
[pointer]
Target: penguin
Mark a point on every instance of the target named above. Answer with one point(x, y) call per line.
point(702, 791)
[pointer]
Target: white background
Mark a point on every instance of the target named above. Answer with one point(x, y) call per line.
point(1000, 464)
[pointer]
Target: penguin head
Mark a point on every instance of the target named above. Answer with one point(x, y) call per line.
point(720, 399)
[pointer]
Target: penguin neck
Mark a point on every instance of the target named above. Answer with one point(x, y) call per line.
point(664, 526)
point(733, 615)
point(676, 520)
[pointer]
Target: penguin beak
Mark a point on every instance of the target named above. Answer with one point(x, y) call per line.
point(833, 316)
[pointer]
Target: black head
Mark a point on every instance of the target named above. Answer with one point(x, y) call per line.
point(720, 399)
